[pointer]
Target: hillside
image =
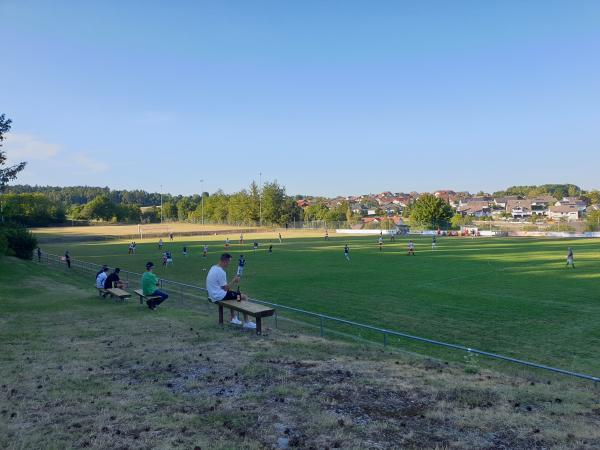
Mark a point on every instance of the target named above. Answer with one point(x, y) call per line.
point(81, 372)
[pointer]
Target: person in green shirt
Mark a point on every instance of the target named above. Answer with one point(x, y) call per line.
point(149, 287)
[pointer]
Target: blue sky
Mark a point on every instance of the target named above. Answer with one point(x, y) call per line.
point(327, 97)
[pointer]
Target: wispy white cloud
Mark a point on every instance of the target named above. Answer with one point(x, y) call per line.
point(89, 164)
point(26, 147)
point(49, 158)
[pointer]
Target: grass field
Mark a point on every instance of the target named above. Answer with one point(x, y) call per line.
point(511, 296)
point(81, 372)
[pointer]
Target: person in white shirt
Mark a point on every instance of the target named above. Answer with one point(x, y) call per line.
point(219, 289)
point(101, 278)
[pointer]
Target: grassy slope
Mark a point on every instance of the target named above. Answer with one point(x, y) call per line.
point(80, 372)
point(512, 296)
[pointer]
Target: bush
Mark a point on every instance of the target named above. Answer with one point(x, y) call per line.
point(18, 241)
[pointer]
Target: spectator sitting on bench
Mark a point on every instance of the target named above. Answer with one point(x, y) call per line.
point(101, 278)
point(218, 288)
point(102, 269)
point(149, 287)
point(113, 281)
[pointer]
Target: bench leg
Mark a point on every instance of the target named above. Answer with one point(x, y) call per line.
point(141, 301)
point(258, 325)
point(220, 314)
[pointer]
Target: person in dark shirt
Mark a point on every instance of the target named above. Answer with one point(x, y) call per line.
point(39, 254)
point(68, 259)
point(241, 264)
point(113, 280)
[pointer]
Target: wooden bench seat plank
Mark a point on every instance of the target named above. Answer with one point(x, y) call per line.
point(147, 297)
point(119, 293)
point(253, 309)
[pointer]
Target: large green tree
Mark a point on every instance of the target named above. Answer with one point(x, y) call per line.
point(10, 172)
point(100, 208)
point(431, 212)
point(273, 203)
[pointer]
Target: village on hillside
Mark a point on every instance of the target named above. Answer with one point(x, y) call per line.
point(375, 209)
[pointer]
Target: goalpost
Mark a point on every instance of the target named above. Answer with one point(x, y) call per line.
point(151, 229)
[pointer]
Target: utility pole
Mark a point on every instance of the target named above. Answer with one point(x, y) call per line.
point(260, 198)
point(202, 199)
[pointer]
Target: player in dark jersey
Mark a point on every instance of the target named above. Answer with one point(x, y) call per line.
point(241, 265)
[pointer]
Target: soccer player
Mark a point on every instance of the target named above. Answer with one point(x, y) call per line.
point(205, 251)
point(171, 237)
point(433, 243)
point(347, 252)
point(570, 258)
point(185, 251)
point(380, 243)
point(241, 238)
point(226, 243)
point(160, 244)
point(271, 248)
point(326, 235)
point(411, 248)
point(255, 246)
point(280, 238)
point(241, 264)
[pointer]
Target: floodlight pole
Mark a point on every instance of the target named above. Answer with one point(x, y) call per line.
point(161, 208)
point(202, 199)
point(260, 198)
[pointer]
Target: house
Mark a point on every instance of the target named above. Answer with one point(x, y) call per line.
point(540, 205)
point(466, 200)
point(568, 212)
point(445, 195)
point(501, 202)
point(302, 203)
point(519, 208)
point(477, 209)
point(580, 204)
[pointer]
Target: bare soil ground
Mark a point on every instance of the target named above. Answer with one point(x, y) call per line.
point(82, 372)
point(152, 232)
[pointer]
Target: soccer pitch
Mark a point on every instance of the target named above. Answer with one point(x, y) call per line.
point(512, 296)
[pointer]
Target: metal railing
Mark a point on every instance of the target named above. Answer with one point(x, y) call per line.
point(184, 289)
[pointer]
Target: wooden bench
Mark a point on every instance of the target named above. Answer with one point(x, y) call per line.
point(119, 294)
point(145, 297)
point(245, 307)
point(116, 293)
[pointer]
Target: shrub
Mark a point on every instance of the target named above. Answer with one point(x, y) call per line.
point(18, 241)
